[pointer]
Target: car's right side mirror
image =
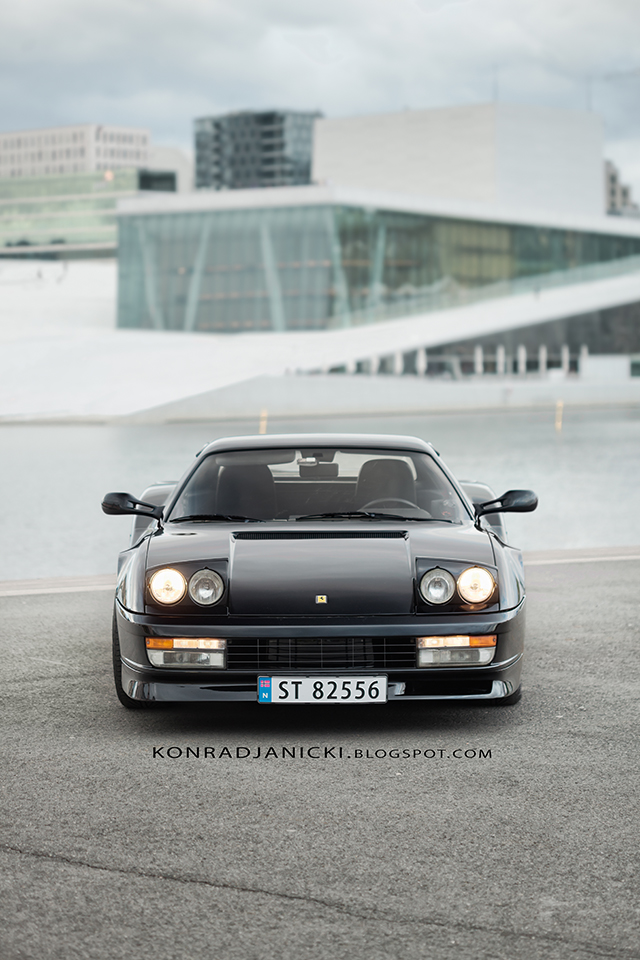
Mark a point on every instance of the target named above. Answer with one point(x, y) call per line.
point(513, 501)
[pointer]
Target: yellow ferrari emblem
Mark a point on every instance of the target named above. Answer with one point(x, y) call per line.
point(321, 598)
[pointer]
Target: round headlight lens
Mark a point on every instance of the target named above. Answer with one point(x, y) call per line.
point(437, 586)
point(167, 586)
point(475, 584)
point(206, 587)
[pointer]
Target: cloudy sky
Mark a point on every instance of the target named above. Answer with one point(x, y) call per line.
point(160, 63)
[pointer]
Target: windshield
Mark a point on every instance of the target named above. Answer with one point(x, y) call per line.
point(319, 483)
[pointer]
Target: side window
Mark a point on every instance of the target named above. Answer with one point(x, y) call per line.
point(200, 494)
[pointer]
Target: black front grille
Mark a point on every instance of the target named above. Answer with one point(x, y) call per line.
point(322, 653)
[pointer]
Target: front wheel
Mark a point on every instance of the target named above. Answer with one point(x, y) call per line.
point(126, 701)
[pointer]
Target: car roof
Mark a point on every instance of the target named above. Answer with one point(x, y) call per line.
point(277, 440)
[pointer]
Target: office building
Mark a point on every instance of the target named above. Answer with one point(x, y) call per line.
point(59, 186)
point(503, 155)
point(619, 199)
point(270, 148)
point(78, 148)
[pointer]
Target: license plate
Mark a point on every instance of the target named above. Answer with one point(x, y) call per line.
point(322, 689)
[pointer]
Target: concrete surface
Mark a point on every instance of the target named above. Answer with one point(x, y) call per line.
point(42, 299)
point(528, 853)
point(338, 395)
point(61, 357)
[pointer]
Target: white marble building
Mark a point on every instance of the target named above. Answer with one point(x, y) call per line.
point(499, 154)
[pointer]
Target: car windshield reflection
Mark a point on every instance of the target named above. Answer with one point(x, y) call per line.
point(322, 483)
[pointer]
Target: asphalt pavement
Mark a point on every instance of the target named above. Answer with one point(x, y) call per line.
point(247, 832)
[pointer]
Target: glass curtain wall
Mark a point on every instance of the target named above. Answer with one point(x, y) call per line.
point(227, 271)
point(320, 267)
point(70, 210)
point(66, 209)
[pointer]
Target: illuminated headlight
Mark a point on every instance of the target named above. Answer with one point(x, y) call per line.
point(437, 586)
point(167, 586)
point(455, 651)
point(190, 652)
point(475, 584)
point(206, 587)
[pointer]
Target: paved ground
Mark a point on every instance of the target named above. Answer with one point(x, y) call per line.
point(531, 852)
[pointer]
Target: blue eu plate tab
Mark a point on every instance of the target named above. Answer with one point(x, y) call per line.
point(264, 689)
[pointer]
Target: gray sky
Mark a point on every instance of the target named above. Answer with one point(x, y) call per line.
point(160, 63)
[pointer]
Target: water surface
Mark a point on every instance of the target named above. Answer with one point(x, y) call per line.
point(53, 477)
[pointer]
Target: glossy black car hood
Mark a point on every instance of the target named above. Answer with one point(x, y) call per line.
point(336, 575)
point(359, 568)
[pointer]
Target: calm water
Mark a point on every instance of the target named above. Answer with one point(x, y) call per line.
point(53, 477)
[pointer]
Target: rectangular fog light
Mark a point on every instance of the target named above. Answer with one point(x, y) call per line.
point(190, 652)
point(455, 650)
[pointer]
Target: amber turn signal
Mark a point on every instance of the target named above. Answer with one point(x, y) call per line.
point(158, 643)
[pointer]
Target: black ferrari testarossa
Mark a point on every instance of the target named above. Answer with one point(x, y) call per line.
point(318, 568)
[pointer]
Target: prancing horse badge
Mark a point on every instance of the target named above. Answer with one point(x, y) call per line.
point(321, 598)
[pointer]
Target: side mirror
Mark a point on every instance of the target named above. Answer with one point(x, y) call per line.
point(513, 501)
point(115, 504)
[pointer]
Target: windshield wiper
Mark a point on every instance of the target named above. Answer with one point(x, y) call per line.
point(369, 515)
point(206, 517)
point(339, 515)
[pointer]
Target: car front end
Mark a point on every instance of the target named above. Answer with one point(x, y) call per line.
point(246, 590)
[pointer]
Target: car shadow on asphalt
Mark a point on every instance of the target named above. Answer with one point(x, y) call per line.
point(243, 719)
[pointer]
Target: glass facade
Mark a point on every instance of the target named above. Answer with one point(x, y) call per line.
point(327, 266)
point(69, 213)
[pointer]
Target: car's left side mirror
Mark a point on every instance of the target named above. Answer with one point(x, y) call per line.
point(513, 501)
point(116, 504)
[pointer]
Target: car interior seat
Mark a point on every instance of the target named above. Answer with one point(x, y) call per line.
point(247, 491)
point(385, 480)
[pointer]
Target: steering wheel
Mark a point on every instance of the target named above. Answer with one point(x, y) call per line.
point(390, 501)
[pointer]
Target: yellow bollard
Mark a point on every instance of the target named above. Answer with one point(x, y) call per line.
point(263, 421)
point(559, 410)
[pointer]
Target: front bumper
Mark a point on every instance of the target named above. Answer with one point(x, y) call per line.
point(499, 679)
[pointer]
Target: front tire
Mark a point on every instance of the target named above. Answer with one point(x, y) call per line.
point(125, 700)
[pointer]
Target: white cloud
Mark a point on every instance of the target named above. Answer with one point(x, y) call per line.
point(319, 45)
point(160, 63)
